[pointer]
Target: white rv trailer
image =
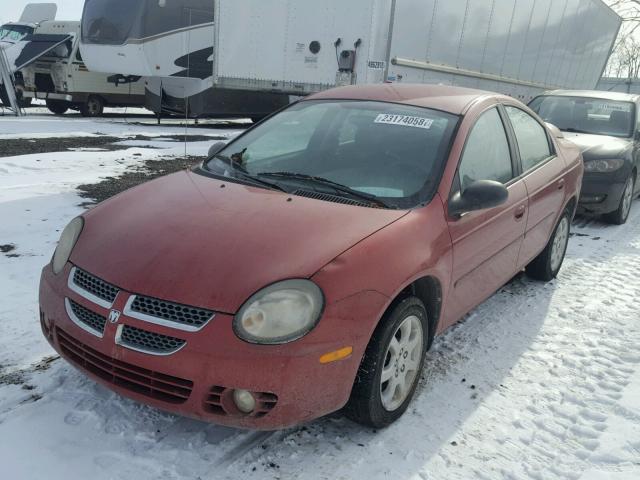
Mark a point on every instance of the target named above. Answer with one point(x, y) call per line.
point(517, 47)
point(170, 42)
point(61, 77)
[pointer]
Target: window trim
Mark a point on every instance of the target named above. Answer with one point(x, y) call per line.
point(456, 184)
point(552, 147)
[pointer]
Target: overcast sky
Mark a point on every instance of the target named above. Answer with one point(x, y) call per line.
point(10, 10)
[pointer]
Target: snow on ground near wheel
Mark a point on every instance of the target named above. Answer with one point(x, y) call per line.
point(539, 382)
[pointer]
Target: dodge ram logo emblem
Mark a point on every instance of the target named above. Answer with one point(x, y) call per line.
point(114, 316)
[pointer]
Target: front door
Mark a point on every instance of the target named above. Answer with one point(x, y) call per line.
point(486, 243)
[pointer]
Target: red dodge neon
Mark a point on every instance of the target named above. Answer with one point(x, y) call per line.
point(307, 265)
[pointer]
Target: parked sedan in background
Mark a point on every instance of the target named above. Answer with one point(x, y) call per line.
point(605, 127)
point(308, 265)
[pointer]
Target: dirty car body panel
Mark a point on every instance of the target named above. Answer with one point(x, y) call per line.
point(204, 242)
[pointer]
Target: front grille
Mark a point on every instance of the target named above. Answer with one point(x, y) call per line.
point(94, 285)
point(333, 198)
point(149, 342)
point(135, 379)
point(191, 317)
point(87, 317)
point(220, 402)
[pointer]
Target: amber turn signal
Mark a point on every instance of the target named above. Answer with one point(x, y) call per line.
point(337, 355)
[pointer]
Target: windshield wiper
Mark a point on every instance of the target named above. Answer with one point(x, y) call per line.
point(241, 173)
point(575, 130)
point(337, 187)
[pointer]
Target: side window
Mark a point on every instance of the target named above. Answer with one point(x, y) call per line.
point(486, 155)
point(78, 55)
point(533, 142)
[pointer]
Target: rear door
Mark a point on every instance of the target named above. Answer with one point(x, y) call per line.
point(486, 243)
point(543, 172)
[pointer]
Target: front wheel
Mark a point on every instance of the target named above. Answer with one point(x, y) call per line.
point(621, 215)
point(546, 266)
point(391, 367)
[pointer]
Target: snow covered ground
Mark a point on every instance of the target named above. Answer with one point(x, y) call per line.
point(540, 382)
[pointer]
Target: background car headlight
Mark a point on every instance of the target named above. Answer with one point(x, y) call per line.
point(603, 166)
point(68, 240)
point(280, 313)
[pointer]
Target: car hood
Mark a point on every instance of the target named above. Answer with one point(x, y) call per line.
point(199, 241)
point(599, 146)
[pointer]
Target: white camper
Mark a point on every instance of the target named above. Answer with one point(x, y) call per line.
point(62, 78)
point(520, 48)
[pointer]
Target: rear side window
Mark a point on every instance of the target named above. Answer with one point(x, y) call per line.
point(533, 142)
point(486, 155)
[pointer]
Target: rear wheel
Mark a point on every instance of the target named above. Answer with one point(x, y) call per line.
point(93, 107)
point(546, 266)
point(621, 215)
point(391, 367)
point(57, 107)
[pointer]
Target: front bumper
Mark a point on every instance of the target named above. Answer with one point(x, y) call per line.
point(290, 383)
point(48, 96)
point(602, 192)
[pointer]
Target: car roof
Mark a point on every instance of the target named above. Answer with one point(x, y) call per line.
point(601, 94)
point(455, 100)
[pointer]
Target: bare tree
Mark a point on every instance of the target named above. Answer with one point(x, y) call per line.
point(625, 58)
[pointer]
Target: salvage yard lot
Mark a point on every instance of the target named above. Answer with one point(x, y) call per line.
point(541, 381)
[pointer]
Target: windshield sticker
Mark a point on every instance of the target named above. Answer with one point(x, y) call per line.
point(610, 107)
point(404, 120)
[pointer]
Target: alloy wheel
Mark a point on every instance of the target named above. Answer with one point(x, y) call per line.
point(401, 363)
point(560, 242)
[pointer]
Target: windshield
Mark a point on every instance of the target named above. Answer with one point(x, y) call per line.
point(14, 33)
point(587, 115)
point(390, 152)
point(114, 22)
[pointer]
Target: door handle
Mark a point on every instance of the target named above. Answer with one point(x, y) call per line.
point(561, 184)
point(520, 211)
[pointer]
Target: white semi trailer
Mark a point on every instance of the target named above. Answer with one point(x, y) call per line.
point(517, 47)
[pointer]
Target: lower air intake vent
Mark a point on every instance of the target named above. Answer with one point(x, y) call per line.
point(333, 198)
point(149, 342)
point(130, 377)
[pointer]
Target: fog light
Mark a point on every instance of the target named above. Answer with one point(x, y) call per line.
point(244, 401)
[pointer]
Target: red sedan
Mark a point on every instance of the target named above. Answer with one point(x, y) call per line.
point(308, 265)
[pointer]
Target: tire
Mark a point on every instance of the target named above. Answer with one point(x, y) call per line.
point(93, 107)
point(621, 215)
point(57, 107)
point(546, 266)
point(25, 102)
point(371, 403)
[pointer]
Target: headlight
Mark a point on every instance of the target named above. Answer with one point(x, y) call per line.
point(67, 241)
point(280, 313)
point(603, 166)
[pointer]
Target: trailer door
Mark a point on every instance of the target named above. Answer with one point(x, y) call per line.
point(289, 46)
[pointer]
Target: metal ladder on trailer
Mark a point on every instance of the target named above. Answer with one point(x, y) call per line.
point(8, 82)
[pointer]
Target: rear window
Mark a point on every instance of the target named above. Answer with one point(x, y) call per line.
point(587, 115)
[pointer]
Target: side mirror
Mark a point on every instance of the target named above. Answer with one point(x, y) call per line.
point(216, 148)
point(555, 131)
point(480, 195)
